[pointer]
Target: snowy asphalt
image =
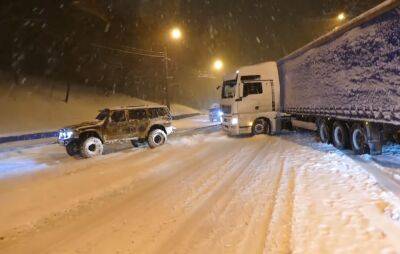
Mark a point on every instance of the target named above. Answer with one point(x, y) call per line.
point(202, 192)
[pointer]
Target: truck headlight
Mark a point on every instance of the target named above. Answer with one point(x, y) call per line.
point(235, 121)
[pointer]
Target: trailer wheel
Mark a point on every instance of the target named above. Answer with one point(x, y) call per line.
point(340, 136)
point(358, 139)
point(324, 132)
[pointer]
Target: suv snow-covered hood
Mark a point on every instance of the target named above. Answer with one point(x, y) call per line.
point(85, 125)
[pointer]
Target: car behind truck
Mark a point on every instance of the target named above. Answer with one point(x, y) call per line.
point(345, 86)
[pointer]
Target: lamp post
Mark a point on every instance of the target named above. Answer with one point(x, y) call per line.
point(218, 65)
point(175, 35)
point(341, 17)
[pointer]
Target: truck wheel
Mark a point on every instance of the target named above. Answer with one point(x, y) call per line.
point(91, 147)
point(340, 136)
point(259, 127)
point(324, 132)
point(156, 138)
point(358, 139)
point(72, 148)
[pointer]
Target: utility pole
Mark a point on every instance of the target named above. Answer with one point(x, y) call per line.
point(146, 53)
point(166, 88)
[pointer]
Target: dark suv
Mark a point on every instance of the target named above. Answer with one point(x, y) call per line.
point(138, 124)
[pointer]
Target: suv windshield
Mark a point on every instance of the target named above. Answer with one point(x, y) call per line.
point(102, 115)
point(228, 89)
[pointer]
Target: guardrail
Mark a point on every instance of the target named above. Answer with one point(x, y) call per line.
point(53, 134)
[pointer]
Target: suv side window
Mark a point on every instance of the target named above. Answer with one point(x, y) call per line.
point(137, 114)
point(252, 88)
point(153, 112)
point(118, 116)
point(162, 112)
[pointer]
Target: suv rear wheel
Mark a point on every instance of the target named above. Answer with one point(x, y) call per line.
point(91, 147)
point(157, 138)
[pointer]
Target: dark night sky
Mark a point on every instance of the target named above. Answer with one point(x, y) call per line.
point(53, 37)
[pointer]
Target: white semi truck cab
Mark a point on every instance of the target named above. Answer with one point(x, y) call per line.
point(250, 100)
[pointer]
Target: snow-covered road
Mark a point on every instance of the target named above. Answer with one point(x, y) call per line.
point(204, 193)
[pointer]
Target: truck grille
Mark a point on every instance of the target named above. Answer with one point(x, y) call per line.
point(226, 109)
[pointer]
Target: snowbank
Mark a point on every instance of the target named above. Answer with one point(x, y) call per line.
point(25, 109)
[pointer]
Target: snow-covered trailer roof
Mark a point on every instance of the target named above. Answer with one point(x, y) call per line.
point(371, 14)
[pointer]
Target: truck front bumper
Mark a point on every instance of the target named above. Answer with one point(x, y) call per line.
point(235, 129)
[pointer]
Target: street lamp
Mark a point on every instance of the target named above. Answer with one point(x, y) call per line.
point(218, 65)
point(175, 35)
point(341, 16)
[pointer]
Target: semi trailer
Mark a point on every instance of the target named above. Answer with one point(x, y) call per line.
point(344, 85)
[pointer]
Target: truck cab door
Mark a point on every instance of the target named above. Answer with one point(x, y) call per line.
point(252, 97)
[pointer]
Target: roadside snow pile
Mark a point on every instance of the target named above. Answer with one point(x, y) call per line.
point(194, 122)
point(40, 108)
point(179, 109)
point(354, 169)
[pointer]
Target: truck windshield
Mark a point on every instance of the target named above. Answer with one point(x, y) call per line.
point(228, 89)
point(102, 115)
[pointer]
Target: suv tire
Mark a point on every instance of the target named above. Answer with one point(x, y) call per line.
point(91, 147)
point(157, 138)
point(72, 148)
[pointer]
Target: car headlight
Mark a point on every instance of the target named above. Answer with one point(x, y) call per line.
point(234, 121)
point(65, 134)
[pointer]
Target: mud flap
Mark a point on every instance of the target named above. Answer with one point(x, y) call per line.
point(374, 138)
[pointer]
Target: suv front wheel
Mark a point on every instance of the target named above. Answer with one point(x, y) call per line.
point(157, 138)
point(91, 147)
point(72, 148)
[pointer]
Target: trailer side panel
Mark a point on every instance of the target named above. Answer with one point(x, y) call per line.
point(355, 75)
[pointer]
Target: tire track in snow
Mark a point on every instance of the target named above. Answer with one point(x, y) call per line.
point(73, 215)
point(222, 191)
point(279, 238)
point(222, 219)
point(270, 209)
